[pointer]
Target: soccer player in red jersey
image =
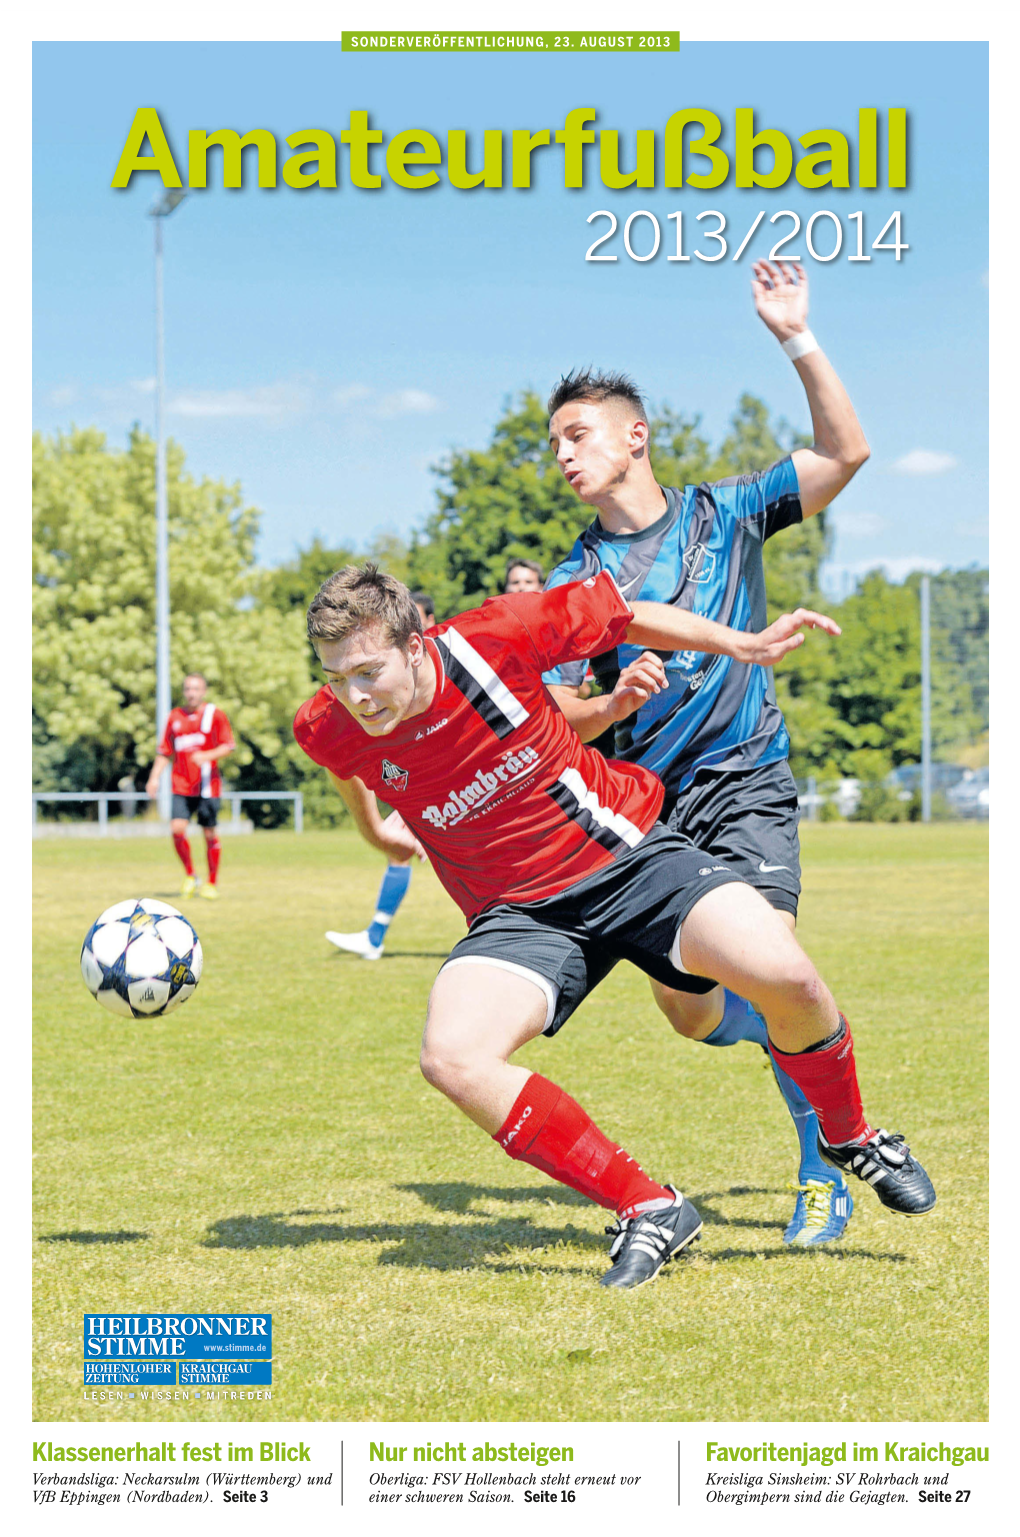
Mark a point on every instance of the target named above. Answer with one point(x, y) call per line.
point(554, 856)
point(368, 943)
point(197, 736)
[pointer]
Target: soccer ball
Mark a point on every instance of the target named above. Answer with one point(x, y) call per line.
point(141, 959)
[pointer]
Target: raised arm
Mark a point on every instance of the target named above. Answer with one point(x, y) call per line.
point(780, 292)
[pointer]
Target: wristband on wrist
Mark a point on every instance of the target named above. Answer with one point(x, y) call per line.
point(797, 346)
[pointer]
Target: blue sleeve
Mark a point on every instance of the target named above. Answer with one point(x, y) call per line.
point(768, 500)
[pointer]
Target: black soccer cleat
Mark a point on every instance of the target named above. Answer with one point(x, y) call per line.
point(643, 1244)
point(884, 1162)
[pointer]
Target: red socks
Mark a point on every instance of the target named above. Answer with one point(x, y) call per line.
point(827, 1076)
point(183, 848)
point(552, 1132)
point(212, 854)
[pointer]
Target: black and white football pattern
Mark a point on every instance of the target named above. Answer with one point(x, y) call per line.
point(141, 958)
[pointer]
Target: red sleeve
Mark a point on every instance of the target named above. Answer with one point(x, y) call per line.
point(316, 733)
point(224, 735)
point(573, 621)
point(166, 746)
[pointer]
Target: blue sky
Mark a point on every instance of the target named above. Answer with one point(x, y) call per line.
point(327, 348)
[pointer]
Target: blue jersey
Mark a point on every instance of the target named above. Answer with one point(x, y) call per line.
point(705, 555)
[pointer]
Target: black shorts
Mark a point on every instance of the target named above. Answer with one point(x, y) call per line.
point(750, 820)
point(185, 806)
point(630, 911)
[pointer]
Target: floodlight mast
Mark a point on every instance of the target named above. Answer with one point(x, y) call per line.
point(158, 212)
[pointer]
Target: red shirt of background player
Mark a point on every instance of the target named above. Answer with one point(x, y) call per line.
point(191, 731)
point(508, 803)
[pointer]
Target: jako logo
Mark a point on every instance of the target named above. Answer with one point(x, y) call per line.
point(508, 1139)
point(515, 765)
point(421, 735)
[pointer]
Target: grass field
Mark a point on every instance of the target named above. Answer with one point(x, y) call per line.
point(271, 1146)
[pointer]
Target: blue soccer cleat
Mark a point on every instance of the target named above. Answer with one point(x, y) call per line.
point(822, 1212)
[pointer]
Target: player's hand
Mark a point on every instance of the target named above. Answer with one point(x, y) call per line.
point(398, 842)
point(784, 635)
point(638, 681)
point(201, 757)
point(152, 786)
point(780, 292)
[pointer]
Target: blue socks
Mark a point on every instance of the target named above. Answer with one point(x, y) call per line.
point(391, 893)
point(740, 1022)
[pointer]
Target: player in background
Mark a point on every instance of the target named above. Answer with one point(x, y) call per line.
point(368, 943)
point(523, 576)
point(197, 736)
point(707, 725)
point(554, 856)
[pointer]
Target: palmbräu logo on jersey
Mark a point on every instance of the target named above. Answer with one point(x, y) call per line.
point(394, 778)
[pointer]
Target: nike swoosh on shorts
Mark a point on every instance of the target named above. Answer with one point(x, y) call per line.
point(764, 868)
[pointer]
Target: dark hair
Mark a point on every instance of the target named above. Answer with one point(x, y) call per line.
point(422, 600)
point(363, 595)
point(529, 565)
point(593, 384)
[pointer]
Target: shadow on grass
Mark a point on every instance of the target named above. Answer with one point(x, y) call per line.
point(483, 1244)
point(124, 1236)
point(455, 1196)
point(418, 1245)
point(396, 955)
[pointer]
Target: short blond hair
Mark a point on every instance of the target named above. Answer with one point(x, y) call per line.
point(359, 596)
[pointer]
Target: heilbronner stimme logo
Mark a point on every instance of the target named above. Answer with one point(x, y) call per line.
point(179, 1349)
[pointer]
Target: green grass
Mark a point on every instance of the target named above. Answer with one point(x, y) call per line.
point(272, 1147)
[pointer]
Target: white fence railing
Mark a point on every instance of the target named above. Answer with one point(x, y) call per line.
point(132, 799)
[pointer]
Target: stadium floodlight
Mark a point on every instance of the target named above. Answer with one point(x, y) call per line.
point(158, 212)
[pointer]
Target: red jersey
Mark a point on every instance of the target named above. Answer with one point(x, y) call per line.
point(507, 801)
point(188, 732)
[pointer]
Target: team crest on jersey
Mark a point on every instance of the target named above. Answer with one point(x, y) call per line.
point(394, 778)
point(699, 563)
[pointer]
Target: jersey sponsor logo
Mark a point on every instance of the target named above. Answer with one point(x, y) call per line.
point(189, 741)
point(421, 735)
point(766, 869)
point(697, 680)
point(394, 778)
point(462, 803)
point(699, 563)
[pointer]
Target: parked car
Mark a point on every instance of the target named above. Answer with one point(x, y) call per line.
point(969, 797)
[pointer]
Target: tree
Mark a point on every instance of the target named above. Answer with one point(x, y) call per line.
point(94, 614)
point(506, 500)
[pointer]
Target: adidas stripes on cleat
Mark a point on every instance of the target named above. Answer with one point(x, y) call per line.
point(643, 1244)
point(822, 1212)
point(884, 1162)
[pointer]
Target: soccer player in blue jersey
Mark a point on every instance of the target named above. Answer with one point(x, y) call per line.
point(709, 726)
